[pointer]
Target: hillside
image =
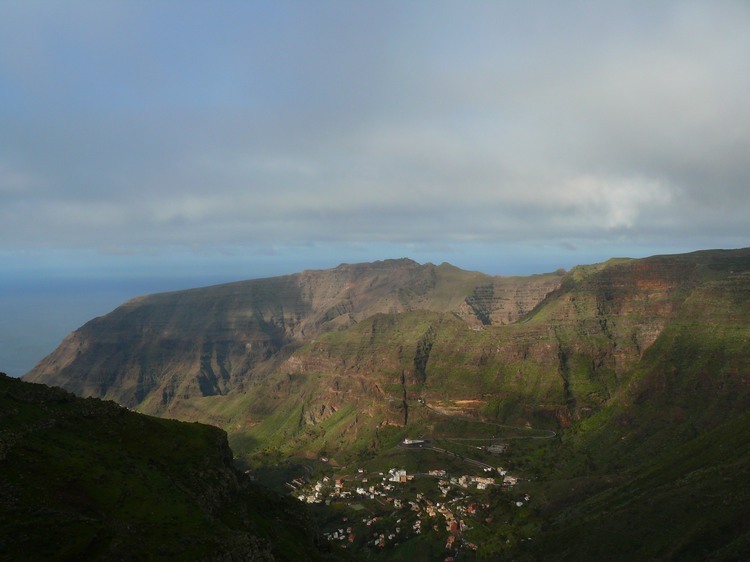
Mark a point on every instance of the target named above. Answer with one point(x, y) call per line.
point(271, 360)
point(159, 351)
point(662, 471)
point(82, 479)
point(638, 367)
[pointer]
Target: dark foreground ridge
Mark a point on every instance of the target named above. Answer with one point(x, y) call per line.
point(84, 479)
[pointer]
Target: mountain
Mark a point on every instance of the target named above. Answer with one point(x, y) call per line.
point(83, 479)
point(662, 470)
point(639, 366)
point(164, 353)
point(274, 358)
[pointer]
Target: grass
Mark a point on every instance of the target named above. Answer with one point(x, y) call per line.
point(85, 479)
point(640, 366)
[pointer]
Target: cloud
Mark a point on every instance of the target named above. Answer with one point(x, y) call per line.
point(611, 203)
point(130, 127)
point(16, 181)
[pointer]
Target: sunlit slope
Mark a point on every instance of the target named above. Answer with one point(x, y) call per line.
point(559, 365)
point(367, 341)
point(157, 351)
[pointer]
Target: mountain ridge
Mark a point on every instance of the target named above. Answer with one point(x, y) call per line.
point(266, 316)
point(551, 348)
point(637, 367)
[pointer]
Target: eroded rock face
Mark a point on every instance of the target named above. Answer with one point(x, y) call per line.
point(566, 360)
point(505, 300)
point(368, 338)
point(206, 342)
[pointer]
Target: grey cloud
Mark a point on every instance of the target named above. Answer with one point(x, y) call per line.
point(281, 124)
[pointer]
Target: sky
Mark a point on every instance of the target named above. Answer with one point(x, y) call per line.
point(159, 145)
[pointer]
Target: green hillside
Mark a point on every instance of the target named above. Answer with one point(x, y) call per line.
point(662, 472)
point(82, 479)
point(618, 393)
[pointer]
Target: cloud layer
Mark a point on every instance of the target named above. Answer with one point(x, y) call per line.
point(133, 127)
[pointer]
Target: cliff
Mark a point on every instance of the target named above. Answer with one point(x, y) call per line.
point(325, 358)
point(640, 367)
point(168, 347)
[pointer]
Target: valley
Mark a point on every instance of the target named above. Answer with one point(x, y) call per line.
point(448, 497)
point(616, 393)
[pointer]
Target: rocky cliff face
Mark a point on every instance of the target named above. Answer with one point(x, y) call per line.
point(347, 350)
point(207, 342)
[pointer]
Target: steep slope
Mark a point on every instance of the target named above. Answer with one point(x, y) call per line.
point(667, 462)
point(88, 480)
point(640, 366)
point(333, 359)
point(207, 342)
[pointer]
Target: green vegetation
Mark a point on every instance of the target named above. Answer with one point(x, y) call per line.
point(86, 480)
point(638, 367)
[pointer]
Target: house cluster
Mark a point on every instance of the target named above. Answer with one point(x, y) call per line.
point(320, 491)
point(398, 475)
point(387, 490)
point(340, 535)
point(481, 482)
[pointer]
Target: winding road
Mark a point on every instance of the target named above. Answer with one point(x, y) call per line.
point(426, 443)
point(548, 433)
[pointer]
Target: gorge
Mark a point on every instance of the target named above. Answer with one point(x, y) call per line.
point(640, 368)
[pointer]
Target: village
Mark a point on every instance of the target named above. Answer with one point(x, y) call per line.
point(382, 510)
